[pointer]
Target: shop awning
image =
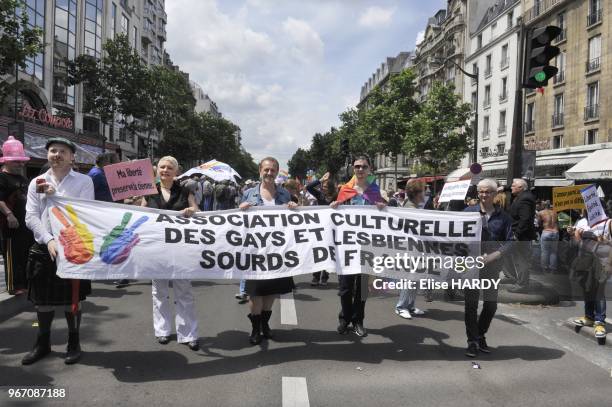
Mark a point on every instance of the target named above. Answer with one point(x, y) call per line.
point(553, 182)
point(459, 174)
point(597, 165)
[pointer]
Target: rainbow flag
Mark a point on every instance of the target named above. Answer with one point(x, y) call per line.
point(371, 194)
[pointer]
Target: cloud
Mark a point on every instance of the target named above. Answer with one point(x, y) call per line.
point(420, 37)
point(306, 42)
point(376, 16)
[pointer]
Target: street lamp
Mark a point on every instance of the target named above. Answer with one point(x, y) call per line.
point(474, 76)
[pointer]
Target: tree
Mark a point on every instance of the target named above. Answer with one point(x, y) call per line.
point(299, 163)
point(438, 135)
point(390, 111)
point(18, 41)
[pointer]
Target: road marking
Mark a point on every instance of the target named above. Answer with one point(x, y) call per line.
point(287, 306)
point(295, 392)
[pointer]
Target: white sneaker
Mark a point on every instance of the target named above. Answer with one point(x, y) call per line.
point(404, 313)
point(417, 311)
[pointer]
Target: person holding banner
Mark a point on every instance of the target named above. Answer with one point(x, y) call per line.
point(353, 289)
point(262, 293)
point(45, 288)
point(496, 243)
point(171, 196)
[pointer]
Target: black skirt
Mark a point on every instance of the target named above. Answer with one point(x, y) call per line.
point(44, 286)
point(260, 288)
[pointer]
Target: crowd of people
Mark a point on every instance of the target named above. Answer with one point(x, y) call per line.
point(30, 249)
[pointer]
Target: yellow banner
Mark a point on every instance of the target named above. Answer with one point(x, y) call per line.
point(568, 198)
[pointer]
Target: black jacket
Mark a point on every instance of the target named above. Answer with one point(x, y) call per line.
point(522, 212)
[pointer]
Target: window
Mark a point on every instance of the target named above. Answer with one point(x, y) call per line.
point(503, 96)
point(593, 62)
point(113, 20)
point(64, 49)
point(590, 136)
point(36, 18)
point(134, 36)
point(125, 23)
point(505, 61)
point(502, 123)
point(474, 101)
point(485, 127)
point(501, 148)
point(479, 41)
point(561, 25)
point(557, 141)
point(595, 12)
point(557, 119)
point(93, 28)
point(510, 19)
point(560, 64)
point(529, 118)
point(487, 72)
point(475, 72)
point(592, 102)
point(487, 97)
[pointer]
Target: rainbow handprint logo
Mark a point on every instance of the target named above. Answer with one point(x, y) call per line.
point(119, 242)
point(76, 239)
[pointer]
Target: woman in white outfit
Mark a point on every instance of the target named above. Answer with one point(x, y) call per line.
point(171, 196)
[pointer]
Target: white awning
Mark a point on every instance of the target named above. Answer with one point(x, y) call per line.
point(597, 165)
point(553, 182)
point(459, 174)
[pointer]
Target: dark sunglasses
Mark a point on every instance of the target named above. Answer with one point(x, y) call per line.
point(361, 167)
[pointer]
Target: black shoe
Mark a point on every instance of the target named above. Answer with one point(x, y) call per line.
point(73, 350)
point(314, 282)
point(359, 329)
point(164, 340)
point(193, 345)
point(265, 327)
point(41, 349)
point(517, 289)
point(472, 350)
point(255, 337)
point(482, 345)
point(122, 283)
point(343, 327)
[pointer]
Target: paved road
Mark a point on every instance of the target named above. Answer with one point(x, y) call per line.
point(400, 363)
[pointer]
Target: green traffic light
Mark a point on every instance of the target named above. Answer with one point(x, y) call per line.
point(540, 77)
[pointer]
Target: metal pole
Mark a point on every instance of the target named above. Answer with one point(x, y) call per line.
point(516, 150)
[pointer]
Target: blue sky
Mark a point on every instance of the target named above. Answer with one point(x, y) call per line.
point(283, 70)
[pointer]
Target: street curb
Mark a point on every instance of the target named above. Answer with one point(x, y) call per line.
point(11, 305)
point(588, 332)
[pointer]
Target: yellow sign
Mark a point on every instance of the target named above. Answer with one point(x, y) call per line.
point(568, 198)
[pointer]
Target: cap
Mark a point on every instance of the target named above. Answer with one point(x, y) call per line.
point(61, 140)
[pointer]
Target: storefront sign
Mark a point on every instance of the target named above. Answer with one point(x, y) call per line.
point(565, 198)
point(533, 144)
point(44, 117)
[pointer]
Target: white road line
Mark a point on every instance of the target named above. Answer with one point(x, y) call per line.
point(295, 392)
point(288, 313)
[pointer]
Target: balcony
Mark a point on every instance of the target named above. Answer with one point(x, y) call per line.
point(591, 112)
point(594, 17)
point(503, 97)
point(486, 104)
point(505, 62)
point(593, 65)
point(161, 32)
point(149, 13)
point(148, 36)
point(559, 77)
point(530, 126)
point(488, 72)
point(557, 120)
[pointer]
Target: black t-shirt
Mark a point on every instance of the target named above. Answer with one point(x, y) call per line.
point(179, 198)
point(14, 192)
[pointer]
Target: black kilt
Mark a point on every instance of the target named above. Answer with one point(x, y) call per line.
point(44, 286)
point(260, 288)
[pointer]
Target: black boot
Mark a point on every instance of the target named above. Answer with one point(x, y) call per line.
point(265, 327)
point(73, 350)
point(255, 337)
point(43, 342)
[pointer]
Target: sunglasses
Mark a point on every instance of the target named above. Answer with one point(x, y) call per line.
point(361, 167)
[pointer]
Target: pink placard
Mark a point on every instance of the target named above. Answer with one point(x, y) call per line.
point(131, 178)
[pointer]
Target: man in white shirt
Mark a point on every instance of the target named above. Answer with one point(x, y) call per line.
point(45, 289)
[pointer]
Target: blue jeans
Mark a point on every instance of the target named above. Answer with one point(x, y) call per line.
point(242, 286)
point(407, 298)
point(595, 303)
point(548, 250)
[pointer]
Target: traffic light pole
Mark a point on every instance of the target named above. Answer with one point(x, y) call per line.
point(515, 156)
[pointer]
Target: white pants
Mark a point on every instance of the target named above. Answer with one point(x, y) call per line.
point(186, 320)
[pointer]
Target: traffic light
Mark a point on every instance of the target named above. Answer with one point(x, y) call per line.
point(538, 55)
point(344, 147)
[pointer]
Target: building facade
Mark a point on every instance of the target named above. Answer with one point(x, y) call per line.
point(571, 118)
point(47, 105)
point(385, 165)
point(492, 54)
point(204, 104)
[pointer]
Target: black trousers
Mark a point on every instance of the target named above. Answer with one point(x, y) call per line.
point(476, 327)
point(352, 290)
point(317, 276)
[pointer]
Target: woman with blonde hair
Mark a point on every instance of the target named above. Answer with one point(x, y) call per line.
point(171, 196)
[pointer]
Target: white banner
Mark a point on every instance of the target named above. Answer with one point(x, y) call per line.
point(453, 191)
point(100, 240)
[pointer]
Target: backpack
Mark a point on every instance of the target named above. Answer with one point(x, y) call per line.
point(588, 269)
point(207, 189)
